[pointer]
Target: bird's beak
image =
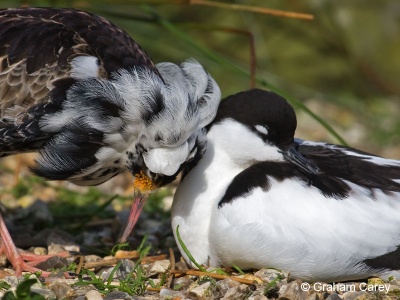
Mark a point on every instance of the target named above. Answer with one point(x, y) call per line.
point(299, 160)
point(143, 188)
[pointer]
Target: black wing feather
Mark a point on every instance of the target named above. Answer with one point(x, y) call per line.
point(358, 168)
point(44, 35)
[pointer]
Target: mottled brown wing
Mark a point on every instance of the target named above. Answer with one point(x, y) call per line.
point(38, 44)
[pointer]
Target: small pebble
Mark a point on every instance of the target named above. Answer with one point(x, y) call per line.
point(11, 280)
point(81, 290)
point(224, 285)
point(333, 296)
point(268, 275)
point(60, 289)
point(37, 284)
point(127, 266)
point(183, 283)
point(159, 266)
point(257, 295)
point(3, 260)
point(92, 258)
point(117, 295)
point(202, 291)
point(54, 262)
point(229, 289)
point(313, 296)
point(292, 290)
point(46, 293)
point(362, 295)
point(93, 295)
point(4, 274)
point(40, 251)
point(171, 294)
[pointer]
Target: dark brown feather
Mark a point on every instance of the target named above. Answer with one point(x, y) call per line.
point(38, 44)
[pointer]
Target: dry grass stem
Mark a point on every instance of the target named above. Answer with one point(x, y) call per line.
point(151, 289)
point(212, 275)
point(172, 268)
point(255, 9)
point(80, 264)
point(150, 259)
point(127, 254)
point(101, 263)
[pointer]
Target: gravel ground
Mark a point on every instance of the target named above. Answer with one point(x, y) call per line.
point(37, 226)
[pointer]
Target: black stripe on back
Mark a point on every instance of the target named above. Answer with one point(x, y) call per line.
point(357, 169)
point(258, 176)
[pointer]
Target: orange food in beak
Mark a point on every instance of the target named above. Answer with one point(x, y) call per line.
point(143, 183)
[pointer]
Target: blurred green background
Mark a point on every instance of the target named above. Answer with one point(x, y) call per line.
point(344, 65)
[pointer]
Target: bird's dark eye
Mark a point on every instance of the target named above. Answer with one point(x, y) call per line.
point(153, 176)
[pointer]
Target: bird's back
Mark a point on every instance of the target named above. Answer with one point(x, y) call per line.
point(37, 46)
point(368, 171)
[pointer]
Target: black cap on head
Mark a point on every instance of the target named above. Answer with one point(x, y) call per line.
point(260, 107)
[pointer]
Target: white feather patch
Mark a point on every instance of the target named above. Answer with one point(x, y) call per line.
point(166, 160)
point(261, 129)
point(84, 67)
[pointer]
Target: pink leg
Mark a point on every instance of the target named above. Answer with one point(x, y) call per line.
point(134, 214)
point(34, 259)
point(16, 258)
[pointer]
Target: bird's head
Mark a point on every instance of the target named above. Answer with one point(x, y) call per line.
point(254, 125)
point(173, 113)
point(258, 125)
point(157, 167)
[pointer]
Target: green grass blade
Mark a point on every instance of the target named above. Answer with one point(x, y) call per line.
point(110, 278)
point(239, 270)
point(186, 250)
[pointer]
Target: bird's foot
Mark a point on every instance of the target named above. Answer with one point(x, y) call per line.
point(18, 259)
point(26, 262)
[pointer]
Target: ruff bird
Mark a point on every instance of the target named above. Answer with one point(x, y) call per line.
point(261, 198)
point(79, 91)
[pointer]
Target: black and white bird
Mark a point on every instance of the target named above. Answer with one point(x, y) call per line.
point(261, 198)
point(80, 92)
